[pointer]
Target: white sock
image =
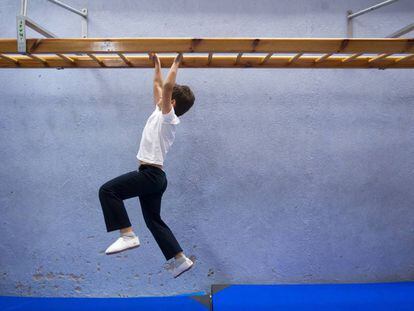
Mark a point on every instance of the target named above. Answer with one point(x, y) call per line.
point(181, 259)
point(130, 234)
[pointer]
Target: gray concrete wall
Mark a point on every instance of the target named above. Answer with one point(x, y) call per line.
point(276, 176)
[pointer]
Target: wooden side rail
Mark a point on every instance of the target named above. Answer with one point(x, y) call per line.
point(121, 52)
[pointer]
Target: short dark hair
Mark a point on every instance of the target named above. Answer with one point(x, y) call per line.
point(184, 99)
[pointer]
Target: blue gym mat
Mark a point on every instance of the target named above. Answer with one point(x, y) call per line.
point(338, 297)
point(185, 302)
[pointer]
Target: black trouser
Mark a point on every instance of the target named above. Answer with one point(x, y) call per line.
point(148, 183)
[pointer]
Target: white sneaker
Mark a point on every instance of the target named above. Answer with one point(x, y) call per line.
point(179, 269)
point(122, 243)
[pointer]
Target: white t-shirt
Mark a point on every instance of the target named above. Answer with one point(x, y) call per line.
point(158, 136)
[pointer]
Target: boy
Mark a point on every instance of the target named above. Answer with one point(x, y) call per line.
point(149, 181)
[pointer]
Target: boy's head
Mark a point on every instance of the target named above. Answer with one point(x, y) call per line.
point(183, 99)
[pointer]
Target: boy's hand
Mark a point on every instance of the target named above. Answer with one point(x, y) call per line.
point(178, 58)
point(154, 58)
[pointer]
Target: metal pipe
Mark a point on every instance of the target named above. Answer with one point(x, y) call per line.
point(349, 24)
point(36, 27)
point(402, 31)
point(23, 8)
point(68, 7)
point(377, 6)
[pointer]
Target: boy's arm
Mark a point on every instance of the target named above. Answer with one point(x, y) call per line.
point(169, 83)
point(157, 88)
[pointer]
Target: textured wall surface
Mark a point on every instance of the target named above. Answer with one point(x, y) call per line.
point(276, 176)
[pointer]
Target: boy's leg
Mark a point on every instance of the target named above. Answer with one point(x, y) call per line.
point(151, 208)
point(112, 194)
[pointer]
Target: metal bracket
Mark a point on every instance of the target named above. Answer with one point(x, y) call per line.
point(396, 34)
point(108, 46)
point(83, 13)
point(84, 23)
point(21, 34)
point(349, 25)
point(23, 21)
point(350, 15)
point(402, 31)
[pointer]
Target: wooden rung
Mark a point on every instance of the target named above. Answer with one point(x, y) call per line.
point(39, 59)
point(8, 58)
point(379, 57)
point(353, 56)
point(96, 59)
point(126, 61)
point(294, 58)
point(210, 58)
point(408, 57)
point(66, 58)
point(238, 58)
point(266, 58)
point(398, 61)
point(323, 57)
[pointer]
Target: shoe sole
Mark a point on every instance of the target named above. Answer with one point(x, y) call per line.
point(184, 271)
point(117, 252)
